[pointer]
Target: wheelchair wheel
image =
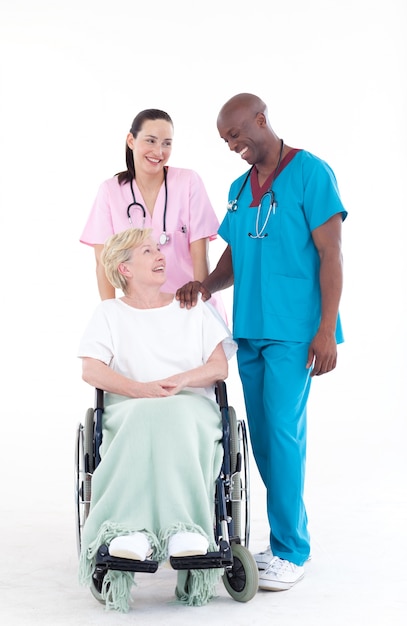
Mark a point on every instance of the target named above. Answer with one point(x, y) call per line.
point(236, 490)
point(242, 579)
point(84, 467)
point(95, 589)
point(240, 479)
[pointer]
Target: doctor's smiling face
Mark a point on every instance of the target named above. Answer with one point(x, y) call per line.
point(243, 134)
point(242, 124)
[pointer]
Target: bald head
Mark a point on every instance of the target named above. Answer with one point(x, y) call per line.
point(243, 124)
point(247, 102)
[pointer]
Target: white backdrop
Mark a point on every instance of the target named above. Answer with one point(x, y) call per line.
point(73, 76)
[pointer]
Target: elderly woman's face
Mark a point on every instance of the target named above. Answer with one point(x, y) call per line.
point(147, 263)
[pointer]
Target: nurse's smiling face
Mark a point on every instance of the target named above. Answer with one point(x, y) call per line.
point(152, 146)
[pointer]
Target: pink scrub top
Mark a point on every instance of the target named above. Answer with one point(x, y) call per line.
point(190, 216)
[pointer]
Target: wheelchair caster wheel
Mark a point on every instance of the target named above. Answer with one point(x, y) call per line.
point(96, 589)
point(242, 578)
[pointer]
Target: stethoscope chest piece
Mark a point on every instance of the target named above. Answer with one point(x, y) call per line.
point(163, 239)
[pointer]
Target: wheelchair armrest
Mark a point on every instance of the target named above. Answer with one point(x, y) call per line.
point(98, 432)
point(99, 399)
point(221, 394)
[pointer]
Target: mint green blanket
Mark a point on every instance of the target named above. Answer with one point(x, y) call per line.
point(160, 460)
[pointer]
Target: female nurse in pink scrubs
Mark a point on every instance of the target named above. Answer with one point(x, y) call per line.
point(172, 201)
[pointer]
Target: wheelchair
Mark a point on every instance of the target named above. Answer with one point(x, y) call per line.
point(231, 506)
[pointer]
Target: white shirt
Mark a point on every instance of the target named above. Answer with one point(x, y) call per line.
point(150, 344)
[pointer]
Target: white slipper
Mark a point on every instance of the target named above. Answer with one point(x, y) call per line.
point(135, 546)
point(187, 544)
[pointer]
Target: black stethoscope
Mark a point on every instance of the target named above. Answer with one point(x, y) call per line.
point(163, 238)
point(232, 205)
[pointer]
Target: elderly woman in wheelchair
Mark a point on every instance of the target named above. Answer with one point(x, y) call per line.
point(153, 492)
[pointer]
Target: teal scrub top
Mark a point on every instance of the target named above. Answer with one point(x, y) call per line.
point(276, 279)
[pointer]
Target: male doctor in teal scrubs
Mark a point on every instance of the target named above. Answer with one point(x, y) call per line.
point(283, 256)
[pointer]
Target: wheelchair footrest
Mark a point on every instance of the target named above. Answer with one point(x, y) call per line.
point(211, 560)
point(105, 562)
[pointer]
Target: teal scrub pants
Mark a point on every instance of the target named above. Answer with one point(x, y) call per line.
point(276, 387)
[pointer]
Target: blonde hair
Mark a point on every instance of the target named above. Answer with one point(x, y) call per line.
point(118, 249)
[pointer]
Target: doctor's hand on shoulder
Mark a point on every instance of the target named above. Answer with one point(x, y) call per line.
point(187, 295)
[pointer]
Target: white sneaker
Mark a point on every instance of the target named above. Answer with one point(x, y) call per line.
point(135, 546)
point(187, 544)
point(280, 575)
point(263, 558)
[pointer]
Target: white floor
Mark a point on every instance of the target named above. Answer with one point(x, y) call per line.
point(356, 497)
